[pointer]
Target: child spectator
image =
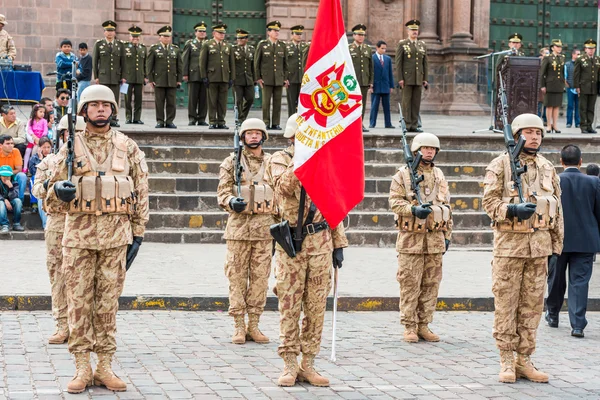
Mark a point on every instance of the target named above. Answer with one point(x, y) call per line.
point(84, 69)
point(37, 127)
point(45, 148)
point(64, 63)
point(9, 201)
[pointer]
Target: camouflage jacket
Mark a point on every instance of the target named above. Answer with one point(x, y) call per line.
point(100, 232)
point(56, 220)
point(280, 172)
point(539, 243)
point(401, 205)
point(242, 226)
point(7, 45)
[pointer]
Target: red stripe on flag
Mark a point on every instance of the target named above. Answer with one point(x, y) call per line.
point(334, 177)
point(329, 28)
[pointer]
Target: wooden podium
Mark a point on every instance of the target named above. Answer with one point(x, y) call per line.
point(521, 82)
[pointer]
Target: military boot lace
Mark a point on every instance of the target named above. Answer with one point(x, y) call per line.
point(307, 372)
point(104, 375)
point(507, 367)
point(290, 370)
point(239, 334)
point(62, 332)
point(526, 369)
point(254, 333)
point(83, 374)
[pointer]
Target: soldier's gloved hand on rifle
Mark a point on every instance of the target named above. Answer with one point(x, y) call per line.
point(338, 257)
point(237, 204)
point(65, 191)
point(552, 260)
point(421, 211)
point(447, 245)
point(132, 251)
point(522, 211)
point(205, 81)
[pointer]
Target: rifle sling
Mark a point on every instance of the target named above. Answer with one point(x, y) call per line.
point(298, 229)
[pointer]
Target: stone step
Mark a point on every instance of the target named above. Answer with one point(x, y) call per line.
point(182, 183)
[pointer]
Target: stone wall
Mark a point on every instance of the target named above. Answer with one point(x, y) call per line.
point(289, 14)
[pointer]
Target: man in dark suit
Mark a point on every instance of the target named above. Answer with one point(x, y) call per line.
point(383, 84)
point(581, 209)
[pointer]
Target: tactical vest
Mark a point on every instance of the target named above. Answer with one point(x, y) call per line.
point(103, 188)
point(541, 192)
point(255, 191)
point(441, 213)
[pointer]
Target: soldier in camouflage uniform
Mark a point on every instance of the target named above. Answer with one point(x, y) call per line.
point(527, 238)
point(249, 242)
point(197, 100)
point(363, 64)
point(270, 66)
point(411, 67)
point(585, 79)
point(425, 233)
point(244, 74)
point(217, 71)
point(7, 44)
point(135, 75)
point(295, 51)
point(108, 62)
point(107, 211)
point(303, 282)
point(53, 235)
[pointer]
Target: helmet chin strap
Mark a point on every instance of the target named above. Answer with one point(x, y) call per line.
point(253, 145)
point(530, 150)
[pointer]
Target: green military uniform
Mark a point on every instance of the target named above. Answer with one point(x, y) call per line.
point(362, 59)
point(270, 64)
point(411, 67)
point(552, 77)
point(295, 66)
point(513, 38)
point(135, 74)
point(165, 70)
point(108, 62)
point(217, 68)
point(244, 76)
point(197, 100)
point(305, 55)
point(585, 78)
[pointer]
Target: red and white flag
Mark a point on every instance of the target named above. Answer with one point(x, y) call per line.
point(329, 157)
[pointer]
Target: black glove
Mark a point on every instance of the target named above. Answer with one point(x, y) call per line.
point(552, 260)
point(65, 191)
point(205, 81)
point(132, 251)
point(237, 204)
point(522, 211)
point(46, 184)
point(421, 211)
point(447, 245)
point(338, 257)
point(230, 83)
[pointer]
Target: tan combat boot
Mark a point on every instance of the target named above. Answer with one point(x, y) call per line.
point(308, 374)
point(62, 332)
point(410, 334)
point(104, 376)
point(83, 374)
point(507, 367)
point(425, 333)
point(254, 333)
point(239, 335)
point(290, 370)
point(526, 369)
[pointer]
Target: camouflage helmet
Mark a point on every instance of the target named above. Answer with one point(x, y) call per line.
point(97, 93)
point(425, 139)
point(64, 123)
point(291, 127)
point(527, 121)
point(254, 124)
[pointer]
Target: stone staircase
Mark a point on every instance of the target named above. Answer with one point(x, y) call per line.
point(184, 170)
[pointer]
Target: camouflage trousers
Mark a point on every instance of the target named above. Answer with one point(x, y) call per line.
point(419, 276)
point(54, 260)
point(248, 267)
point(518, 285)
point(95, 280)
point(303, 284)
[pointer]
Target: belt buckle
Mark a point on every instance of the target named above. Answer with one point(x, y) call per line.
point(310, 229)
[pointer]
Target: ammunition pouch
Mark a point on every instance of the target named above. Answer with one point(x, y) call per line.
point(260, 198)
point(437, 221)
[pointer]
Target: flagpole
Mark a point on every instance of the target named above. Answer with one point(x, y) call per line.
point(335, 297)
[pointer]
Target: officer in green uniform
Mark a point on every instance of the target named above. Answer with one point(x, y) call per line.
point(585, 79)
point(515, 41)
point(362, 60)
point(135, 55)
point(165, 71)
point(552, 83)
point(295, 50)
point(270, 64)
point(411, 67)
point(244, 74)
point(217, 71)
point(108, 62)
point(197, 100)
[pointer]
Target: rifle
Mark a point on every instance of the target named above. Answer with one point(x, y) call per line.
point(513, 149)
point(72, 119)
point(412, 162)
point(237, 146)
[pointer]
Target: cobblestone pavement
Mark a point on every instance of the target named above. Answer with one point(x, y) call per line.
point(170, 354)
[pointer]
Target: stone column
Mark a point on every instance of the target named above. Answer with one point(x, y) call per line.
point(358, 13)
point(461, 24)
point(429, 19)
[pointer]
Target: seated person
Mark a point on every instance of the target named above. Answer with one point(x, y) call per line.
point(12, 157)
point(9, 201)
point(62, 102)
point(45, 148)
point(12, 126)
